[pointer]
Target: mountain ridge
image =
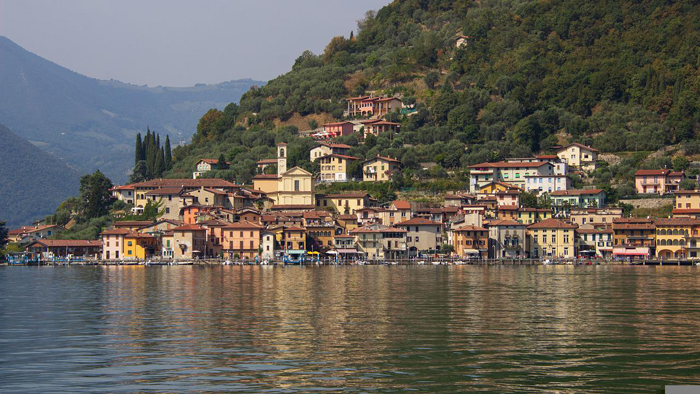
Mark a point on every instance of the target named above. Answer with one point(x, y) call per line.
point(90, 122)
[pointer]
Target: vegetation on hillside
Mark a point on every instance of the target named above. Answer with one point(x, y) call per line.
point(620, 76)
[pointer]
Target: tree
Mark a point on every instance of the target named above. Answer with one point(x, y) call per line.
point(431, 78)
point(138, 151)
point(138, 174)
point(528, 200)
point(313, 124)
point(680, 163)
point(95, 196)
point(168, 154)
point(222, 164)
point(687, 184)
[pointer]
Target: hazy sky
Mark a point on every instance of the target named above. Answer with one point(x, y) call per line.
point(178, 42)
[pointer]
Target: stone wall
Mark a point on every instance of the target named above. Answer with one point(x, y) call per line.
point(655, 202)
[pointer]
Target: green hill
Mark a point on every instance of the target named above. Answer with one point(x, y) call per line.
point(32, 182)
point(618, 75)
point(91, 123)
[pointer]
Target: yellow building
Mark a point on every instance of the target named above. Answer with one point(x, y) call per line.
point(379, 169)
point(328, 148)
point(533, 215)
point(496, 186)
point(344, 203)
point(139, 245)
point(471, 241)
point(673, 237)
point(687, 204)
point(142, 189)
point(580, 156)
point(287, 187)
point(334, 167)
point(552, 238)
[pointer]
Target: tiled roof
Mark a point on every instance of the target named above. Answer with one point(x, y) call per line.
point(552, 223)
point(401, 204)
point(677, 222)
point(133, 223)
point(243, 225)
point(266, 176)
point(53, 243)
point(334, 145)
point(118, 231)
point(267, 161)
point(341, 156)
point(336, 123)
point(189, 227)
point(652, 172)
point(382, 158)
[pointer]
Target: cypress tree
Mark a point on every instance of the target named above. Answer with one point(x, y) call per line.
point(222, 164)
point(158, 141)
point(139, 149)
point(158, 165)
point(168, 154)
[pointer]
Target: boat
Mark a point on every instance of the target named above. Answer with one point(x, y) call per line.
point(421, 262)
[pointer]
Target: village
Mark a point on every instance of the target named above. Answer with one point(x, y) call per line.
point(281, 217)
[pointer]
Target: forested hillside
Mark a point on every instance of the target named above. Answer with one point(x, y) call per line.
point(32, 182)
point(621, 76)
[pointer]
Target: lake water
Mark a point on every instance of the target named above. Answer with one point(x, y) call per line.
point(354, 329)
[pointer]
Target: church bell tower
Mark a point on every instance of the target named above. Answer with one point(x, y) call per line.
point(281, 158)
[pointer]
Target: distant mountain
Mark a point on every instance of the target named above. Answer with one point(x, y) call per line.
point(32, 182)
point(92, 123)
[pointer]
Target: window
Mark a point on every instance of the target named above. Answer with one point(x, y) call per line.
point(128, 243)
point(296, 186)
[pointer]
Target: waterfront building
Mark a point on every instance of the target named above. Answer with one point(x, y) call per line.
point(65, 248)
point(377, 241)
point(634, 237)
point(422, 235)
point(242, 239)
point(507, 239)
point(470, 241)
point(140, 246)
point(599, 240)
point(552, 238)
point(673, 237)
point(113, 244)
point(268, 244)
point(189, 241)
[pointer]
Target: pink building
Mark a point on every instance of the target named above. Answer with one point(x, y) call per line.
point(337, 129)
point(367, 106)
point(657, 181)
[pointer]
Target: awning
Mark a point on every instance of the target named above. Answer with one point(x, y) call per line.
point(348, 251)
point(331, 252)
point(630, 254)
point(471, 251)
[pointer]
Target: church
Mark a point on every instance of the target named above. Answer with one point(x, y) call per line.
point(293, 187)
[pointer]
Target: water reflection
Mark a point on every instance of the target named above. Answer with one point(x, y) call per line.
point(381, 329)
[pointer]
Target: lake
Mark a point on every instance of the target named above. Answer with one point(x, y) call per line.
point(353, 329)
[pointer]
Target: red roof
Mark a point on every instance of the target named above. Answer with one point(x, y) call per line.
point(401, 204)
point(118, 231)
point(652, 172)
point(267, 161)
point(266, 176)
point(243, 225)
point(552, 223)
point(133, 223)
point(294, 229)
point(334, 145)
point(189, 227)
